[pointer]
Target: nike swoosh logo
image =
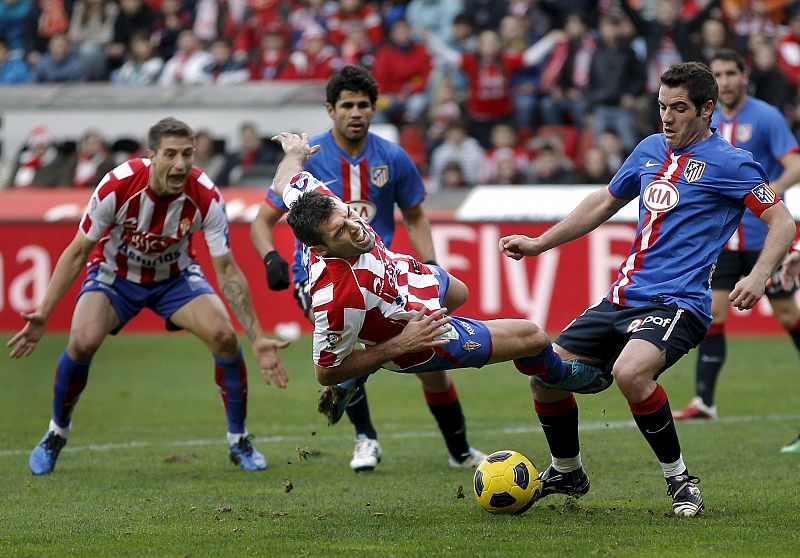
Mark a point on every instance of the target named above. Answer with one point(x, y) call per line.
point(330, 181)
point(649, 164)
point(656, 431)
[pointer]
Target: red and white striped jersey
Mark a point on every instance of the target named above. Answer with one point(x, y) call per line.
point(145, 238)
point(367, 299)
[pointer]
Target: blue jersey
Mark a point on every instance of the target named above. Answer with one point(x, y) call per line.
point(372, 182)
point(760, 129)
point(690, 202)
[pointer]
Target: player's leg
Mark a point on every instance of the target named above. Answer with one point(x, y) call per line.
point(206, 317)
point(93, 318)
point(787, 313)
point(442, 399)
point(712, 350)
point(670, 333)
point(711, 353)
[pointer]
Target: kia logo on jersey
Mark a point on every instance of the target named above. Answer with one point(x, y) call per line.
point(660, 196)
point(364, 209)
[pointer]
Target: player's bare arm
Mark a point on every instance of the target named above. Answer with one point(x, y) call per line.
point(597, 208)
point(790, 175)
point(234, 288)
point(419, 232)
point(779, 239)
point(261, 229)
point(296, 152)
point(69, 265)
point(421, 332)
point(790, 272)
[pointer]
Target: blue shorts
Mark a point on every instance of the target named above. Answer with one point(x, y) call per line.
point(164, 297)
point(603, 330)
point(470, 346)
point(444, 280)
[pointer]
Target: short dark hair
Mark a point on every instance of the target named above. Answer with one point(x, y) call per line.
point(167, 127)
point(729, 55)
point(698, 80)
point(351, 78)
point(311, 210)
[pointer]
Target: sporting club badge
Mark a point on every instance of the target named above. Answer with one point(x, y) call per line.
point(471, 345)
point(764, 193)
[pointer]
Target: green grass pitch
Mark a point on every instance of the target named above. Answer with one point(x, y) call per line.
point(146, 471)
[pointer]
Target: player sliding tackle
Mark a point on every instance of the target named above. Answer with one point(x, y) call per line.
point(396, 306)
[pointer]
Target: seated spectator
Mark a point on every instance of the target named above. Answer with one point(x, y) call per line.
point(504, 149)
point(14, 18)
point(259, 17)
point(60, 64)
point(207, 156)
point(223, 69)
point(41, 164)
point(595, 168)
point(91, 28)
point(459, 147)
point(452, 177)
point(142, 66)
point(12, 70)
point(788, 50)
point(615, 153)
point(134, 16)
point(615, 80)
point(443, 111)
point(356, 50)
point(309, 13)
point(215, 19)
point(253, 164)
point(435, 15)
point(186, 67)
point(169, 21)
point(550, 167)
point(91, 161)
point(714, 36)
point(314, 59)
point(46, 19)
point(402, 67)
point(766, 81)
point(355, 15)
point(272, 59)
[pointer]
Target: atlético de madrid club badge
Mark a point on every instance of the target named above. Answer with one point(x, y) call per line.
point(694, 170)
point(743, 133)
point(379, 176)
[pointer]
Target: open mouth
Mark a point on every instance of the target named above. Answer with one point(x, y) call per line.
point(176, 180)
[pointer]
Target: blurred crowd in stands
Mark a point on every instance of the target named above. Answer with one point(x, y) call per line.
point(481, 91)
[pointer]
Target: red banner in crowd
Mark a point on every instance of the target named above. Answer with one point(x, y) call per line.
point(551, 289)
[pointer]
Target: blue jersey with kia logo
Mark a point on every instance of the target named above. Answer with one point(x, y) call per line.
point(760, 129)
point(690, 202)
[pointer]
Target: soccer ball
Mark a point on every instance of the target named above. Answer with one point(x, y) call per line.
point(506, 482)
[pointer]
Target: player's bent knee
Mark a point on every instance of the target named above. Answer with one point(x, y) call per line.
point(223, 342)
point(83, 345)
point(435, 382)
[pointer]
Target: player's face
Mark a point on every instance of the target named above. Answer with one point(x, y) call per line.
point(731, 81)
point(346, 234)
point(682, 126)
point(170, 165)
point(351, 115)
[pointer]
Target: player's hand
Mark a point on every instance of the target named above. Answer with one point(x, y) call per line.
point(790, 271)
point(425, 331)
point(747, 292)
point(296, 144)
point(26, 339)
point(269, 363)
point(277, 271)
point(516, 246)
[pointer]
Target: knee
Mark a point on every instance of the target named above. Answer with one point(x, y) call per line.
point(83, 345)
point(535, 337)
point(434, 382)
point(629, 379)
point(788, 320)
point(223, 342)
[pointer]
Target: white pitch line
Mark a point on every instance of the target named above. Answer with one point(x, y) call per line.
point(586, 427)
